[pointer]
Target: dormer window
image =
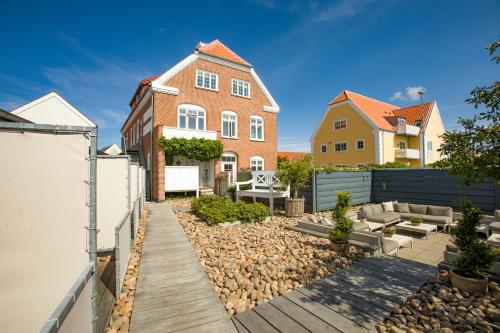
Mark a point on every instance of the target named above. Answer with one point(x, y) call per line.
point(207, 80)
point(240, 88)
point(418, 122)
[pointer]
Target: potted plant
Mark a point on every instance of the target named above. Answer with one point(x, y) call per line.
point(416, 220)
point(474, 256)
point(362, 215)
point(296, 174)
point(388, 231)
point(341, 232)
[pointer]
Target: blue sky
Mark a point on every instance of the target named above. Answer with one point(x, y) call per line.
point(306, 52)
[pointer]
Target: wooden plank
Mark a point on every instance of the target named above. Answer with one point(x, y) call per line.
point(255, 323)
point(305, 318)
point(146, 304)
point(399, 269)
point(278, 319)
point(240, 328)
point(325, 313)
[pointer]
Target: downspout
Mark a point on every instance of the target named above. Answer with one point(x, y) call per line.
point(93, 222)
point(423, 159)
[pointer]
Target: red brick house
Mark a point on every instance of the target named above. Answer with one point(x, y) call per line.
point(215, 94)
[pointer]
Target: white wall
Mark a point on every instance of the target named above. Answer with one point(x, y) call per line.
point(44, 196)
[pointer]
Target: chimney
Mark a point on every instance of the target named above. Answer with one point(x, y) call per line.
point(421, 93)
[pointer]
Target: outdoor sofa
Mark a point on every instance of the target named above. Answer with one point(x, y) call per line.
point(392, 212)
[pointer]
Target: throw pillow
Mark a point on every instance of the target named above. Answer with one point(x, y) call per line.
point(388, 206)
point(418, 209)
point(402, 207)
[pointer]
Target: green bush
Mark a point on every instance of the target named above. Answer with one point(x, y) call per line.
point(216, 209)
point(341, 232)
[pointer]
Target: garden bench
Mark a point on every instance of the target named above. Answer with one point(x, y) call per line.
point(261, 184)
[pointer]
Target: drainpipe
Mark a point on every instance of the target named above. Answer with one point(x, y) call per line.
point(93, 222)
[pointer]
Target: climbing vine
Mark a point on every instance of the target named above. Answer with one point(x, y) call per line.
point(193, 149)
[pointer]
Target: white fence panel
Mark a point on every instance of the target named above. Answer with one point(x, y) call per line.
point(122, 252)
point(134, 183)
point(44, 196)
point(74, 313)
point(182, 178)
point(112, 197)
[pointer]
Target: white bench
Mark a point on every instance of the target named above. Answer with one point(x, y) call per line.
point(262, 182)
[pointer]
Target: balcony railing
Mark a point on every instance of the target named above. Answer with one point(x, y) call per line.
point(408, 130)
point(411, 154)
point(173, 132)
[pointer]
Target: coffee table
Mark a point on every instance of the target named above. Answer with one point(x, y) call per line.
point(422, 228)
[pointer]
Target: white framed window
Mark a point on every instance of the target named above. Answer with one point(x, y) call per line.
point(340, 124)
point(240, 88)
point(207, 80)
point(229, 161)
point(191, 117)
point(341, 146)
point(323, 148)
point(429, 145)
point(360, 144)
point(229, 124)
point(257, 163)
point(402, 144)
point(257, 128)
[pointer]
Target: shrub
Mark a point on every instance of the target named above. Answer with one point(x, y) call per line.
point(295, 173)
point(341, 232)
point(475, 255)
point(216, 209)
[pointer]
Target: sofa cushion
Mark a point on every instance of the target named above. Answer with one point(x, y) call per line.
point(402, 207)
point(418, 209)
point(387, 217)
point(389, 245)
point(440, 220)
point(368, 210)
point(377, 209)
point(359, 226)
point(497, 215)
point(439, 211)
point(495, 227)
point(388, 206)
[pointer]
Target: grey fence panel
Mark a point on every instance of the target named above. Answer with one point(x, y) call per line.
point(328, 184)
point(74, 313)
point(432, 187)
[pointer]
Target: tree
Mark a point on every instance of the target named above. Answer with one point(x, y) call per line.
point(473, 152)
point(341, 233)
point(295, 173)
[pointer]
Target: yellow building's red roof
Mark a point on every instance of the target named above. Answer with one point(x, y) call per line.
point(385, 115)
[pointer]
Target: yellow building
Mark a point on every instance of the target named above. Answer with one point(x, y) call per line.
point(357, 130)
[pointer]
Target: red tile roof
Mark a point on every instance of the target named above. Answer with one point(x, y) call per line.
point(385, 115)
point(219, 50)
point(291, 155)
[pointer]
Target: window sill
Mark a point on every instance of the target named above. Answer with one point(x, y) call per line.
point(214, 90)
point(247, 97)
point(258, 140)
point(230, 137)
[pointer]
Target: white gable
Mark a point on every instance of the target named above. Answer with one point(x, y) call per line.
point(52, 109)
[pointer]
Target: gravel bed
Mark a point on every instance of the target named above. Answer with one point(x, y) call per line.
point(251, 263)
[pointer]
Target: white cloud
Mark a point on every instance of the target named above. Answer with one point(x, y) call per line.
point(410, 94)
point(342, 10)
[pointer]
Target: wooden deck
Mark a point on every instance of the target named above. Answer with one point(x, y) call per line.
point(351, 300)
point(173, 292)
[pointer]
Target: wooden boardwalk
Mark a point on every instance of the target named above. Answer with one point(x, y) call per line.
point(352, 300)
point(173, 292)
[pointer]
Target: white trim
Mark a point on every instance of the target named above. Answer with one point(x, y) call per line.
point(338, 143)
point(379, 147)
point(222, 62)
point(174, 70)
point(330, 107)
point(232, 113)
point(274, 106)
point(203, 72)
point(339, 120)
point(357, 140)
point(257, 158)
point(166, 90)
point(25, 107)
point(235, 163)
point(263, 131)
point(242, 82)
point(192, 107)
